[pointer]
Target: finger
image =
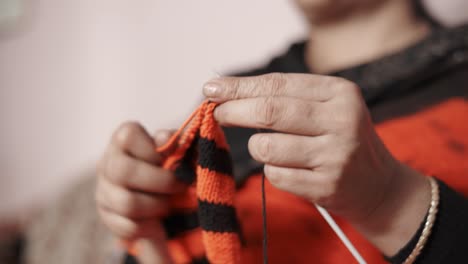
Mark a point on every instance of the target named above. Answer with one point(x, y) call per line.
point(283, 114)
point(128, 229)
point(305, 183)
point(305, 86)
point(133, 139)
point(154, 250)
point(139, 175)
point(287, 150)
point(161, 137)
point(130, 204)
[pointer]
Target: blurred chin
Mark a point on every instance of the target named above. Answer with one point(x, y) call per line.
point(311, 5)
point(321, 11)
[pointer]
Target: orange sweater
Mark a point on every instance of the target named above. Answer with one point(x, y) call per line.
point(433, 141)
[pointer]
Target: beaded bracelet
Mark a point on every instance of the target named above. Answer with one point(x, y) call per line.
point(429, 222)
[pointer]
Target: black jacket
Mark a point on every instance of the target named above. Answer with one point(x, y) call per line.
point(425, 74)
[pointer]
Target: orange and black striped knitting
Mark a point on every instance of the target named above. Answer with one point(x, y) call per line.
point(202, 227)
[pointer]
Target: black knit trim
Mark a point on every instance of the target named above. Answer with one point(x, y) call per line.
point(214, 158)
point(176, 224)
point(217, 217)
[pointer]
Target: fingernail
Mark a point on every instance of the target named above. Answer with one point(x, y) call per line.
point(212, 89)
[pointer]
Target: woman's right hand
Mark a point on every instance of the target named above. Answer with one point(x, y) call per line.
point(133, 190)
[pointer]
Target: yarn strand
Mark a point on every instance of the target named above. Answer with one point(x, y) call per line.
point(264, 218)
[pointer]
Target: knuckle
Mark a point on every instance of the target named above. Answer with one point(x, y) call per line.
point(343, 86)
point(330, 82)
point(235, 84)
point(263, 147)
point(352, 88)
point(124, 228)
point(303, 109)
point(120, 168)
point(267, 112)
point(276, 82)
point(279, 180)
point(127, 204)
point(128, 230)
point(126, 134)
point(328, 193)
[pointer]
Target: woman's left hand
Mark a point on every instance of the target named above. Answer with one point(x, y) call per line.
point(324, 146)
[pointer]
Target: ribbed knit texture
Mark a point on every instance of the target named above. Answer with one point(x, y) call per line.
point(297, 233)
point(203, 226)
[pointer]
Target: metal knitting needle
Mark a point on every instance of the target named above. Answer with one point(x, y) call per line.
point(331, 222)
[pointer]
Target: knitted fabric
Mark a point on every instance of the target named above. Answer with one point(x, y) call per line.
point(296, 231)
point(203, 226)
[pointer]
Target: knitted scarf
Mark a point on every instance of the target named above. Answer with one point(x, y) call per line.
point(202, 226)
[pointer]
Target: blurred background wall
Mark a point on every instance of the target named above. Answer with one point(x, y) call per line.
point(71, 71)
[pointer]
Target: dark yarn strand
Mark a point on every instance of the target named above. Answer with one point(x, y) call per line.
point(264, 218)
point(264, 214)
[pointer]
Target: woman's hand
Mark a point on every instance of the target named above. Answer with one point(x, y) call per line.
point(324, 148)
point(133, 190)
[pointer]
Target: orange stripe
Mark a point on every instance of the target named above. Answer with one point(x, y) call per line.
point(193, 243)
point(211, 186)
point(177, 252)
point(222, 247)
point(215, 187)
point(211, 130)
point(187, 246)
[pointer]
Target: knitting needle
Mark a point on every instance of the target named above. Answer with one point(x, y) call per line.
point(331, 222)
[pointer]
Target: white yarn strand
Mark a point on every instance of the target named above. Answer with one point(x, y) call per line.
point(341, 234)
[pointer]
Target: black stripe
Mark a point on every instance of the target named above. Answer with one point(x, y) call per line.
point(217, 217)
point(213, 158)
point(176, 224)
point(185, 170)
point(202, 260)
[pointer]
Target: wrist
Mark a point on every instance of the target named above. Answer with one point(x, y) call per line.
point(397, 218)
